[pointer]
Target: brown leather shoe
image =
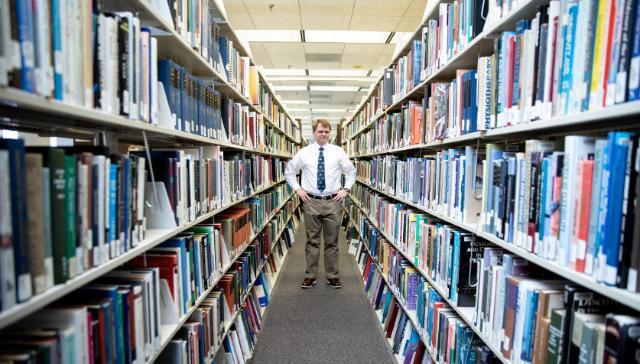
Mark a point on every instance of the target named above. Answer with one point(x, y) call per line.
point(308, 283)
point(334, 282)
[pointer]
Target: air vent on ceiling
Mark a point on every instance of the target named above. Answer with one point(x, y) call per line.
point(323, 57)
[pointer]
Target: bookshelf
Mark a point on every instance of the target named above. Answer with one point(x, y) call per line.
point(465, 313)
point(377, 136)
point(29, 112)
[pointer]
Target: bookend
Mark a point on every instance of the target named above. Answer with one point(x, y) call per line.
point(165, 118)
point(168, 307)
point(157, 207)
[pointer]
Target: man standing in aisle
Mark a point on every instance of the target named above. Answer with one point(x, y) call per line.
point(321, 164)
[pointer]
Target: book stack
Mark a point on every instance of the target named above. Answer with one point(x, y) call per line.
point(582, 62)
point(429, 329)
point(64, 212)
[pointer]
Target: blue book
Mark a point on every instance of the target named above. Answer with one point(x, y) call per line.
point(634, 68)
point(19, 215)
point(124, 292)
point(544, 198)
point(223, 45)
point(169, 74)
point(529, 325)
point(473, 106)
point(113, 203)
point(521, 26)
point(569, 31)
point(179, 242)
point(57, 33)
point(26, 38)
point(619, 144)
point(126, 244)
point(115, 332)
point(454, 267)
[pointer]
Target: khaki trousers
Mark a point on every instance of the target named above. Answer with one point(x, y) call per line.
point(322, 216)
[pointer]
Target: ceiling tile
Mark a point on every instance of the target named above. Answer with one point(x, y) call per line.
point(288, 64)
point(274, 7)
point(363, 49)
point(408, 24)
point(378, 23)
point(334, 22)
point(279, 21)
point(326, 7)
point(377, 7)
point(416, 8)
point(336, 48)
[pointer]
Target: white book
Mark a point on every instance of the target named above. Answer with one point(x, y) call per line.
point(137, 70)
point(153, 80)
point(577, 148)
point(145, 72)
point(236, 349)
point(243, 338)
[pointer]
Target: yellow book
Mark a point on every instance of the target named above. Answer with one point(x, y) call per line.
point(599, 53)
point(254, 82)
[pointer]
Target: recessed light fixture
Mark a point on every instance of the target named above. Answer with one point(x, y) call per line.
point(335, 88)
point(338, 73)
point(289, 88)
point(269, 35)
point(345, 36)
point(283, 72)
point(295, 102)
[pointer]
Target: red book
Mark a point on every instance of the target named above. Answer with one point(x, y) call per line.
point(167, 264)
point(392, 319)
point(583, 212)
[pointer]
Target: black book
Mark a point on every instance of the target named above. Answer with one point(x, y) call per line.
point(123, 67)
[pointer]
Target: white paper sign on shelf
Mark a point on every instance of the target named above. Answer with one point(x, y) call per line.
point(157, 208)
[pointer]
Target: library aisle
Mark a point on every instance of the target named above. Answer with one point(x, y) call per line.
point(320, 324)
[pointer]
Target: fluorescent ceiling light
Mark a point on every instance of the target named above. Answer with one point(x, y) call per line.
point(297, 109)
point(335, 88)
point(289, 88)
point(308, 78)
point(329, 110)
point(401, 38)
point(295, 102)
point(283, 72)
point(345, 36)
point(338, 73)
point(269, 35)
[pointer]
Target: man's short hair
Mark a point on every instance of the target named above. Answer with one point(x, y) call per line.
point(323, 122)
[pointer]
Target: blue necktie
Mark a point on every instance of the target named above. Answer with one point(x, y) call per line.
point(321, 182)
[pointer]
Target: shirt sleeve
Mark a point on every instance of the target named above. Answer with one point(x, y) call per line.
point(293, 166)
point(348, 169)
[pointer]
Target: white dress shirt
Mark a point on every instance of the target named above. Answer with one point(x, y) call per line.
point(336, 163)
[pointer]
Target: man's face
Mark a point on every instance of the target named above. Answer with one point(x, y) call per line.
point(322, 134)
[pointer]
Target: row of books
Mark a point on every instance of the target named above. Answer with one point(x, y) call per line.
point(561, 200)
point(456, 26)
point(276, 142)
point(512, 299)
point(551, 65)
point(65, 211)
point(440, 335)
point(110, 63)
point(216, 332)
point(119, 317)
point(576, 65)
point(371, 108)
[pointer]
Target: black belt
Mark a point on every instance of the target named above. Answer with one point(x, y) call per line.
point(322, 197)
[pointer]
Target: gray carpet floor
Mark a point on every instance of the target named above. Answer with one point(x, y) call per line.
point(320, 324)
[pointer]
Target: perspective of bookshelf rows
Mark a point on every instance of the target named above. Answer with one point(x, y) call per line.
point(153, 227)
point(501, 145)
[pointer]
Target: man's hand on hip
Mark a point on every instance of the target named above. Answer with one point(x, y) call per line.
point(303, 194)
point(340, 195)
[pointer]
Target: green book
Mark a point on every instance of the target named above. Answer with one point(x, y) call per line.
point(554, 347)
point(70, 211)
